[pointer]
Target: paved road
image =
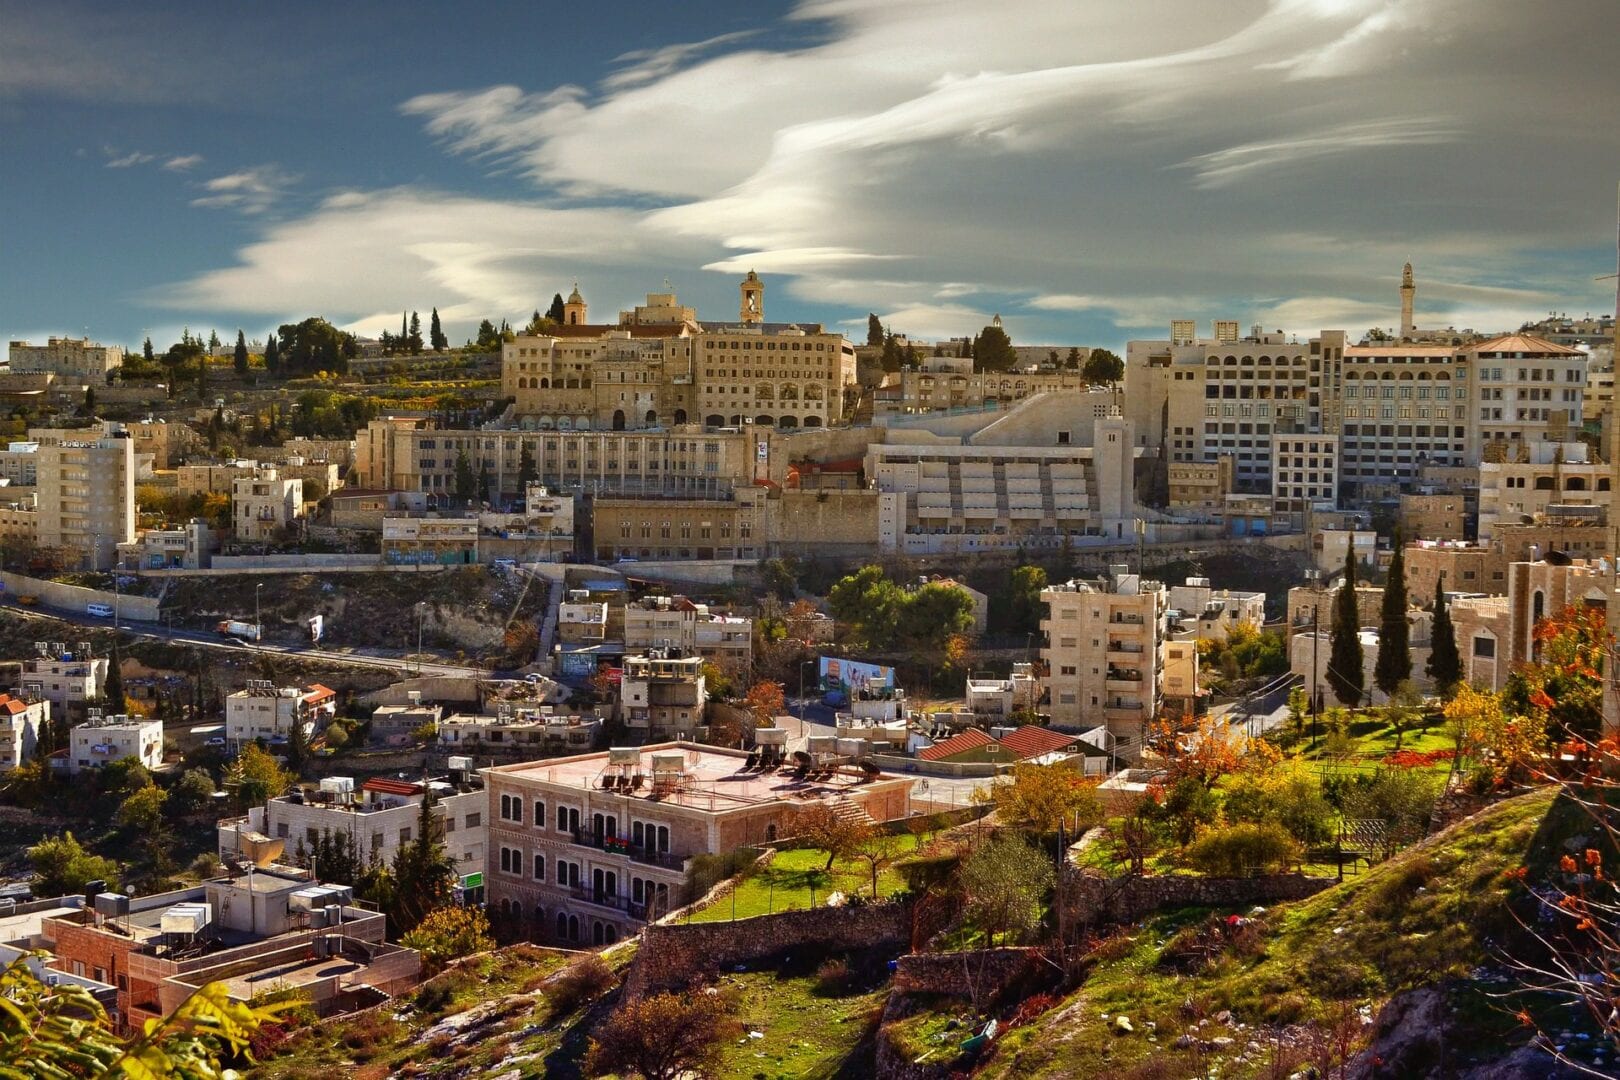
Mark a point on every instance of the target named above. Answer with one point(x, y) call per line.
point(206, 640)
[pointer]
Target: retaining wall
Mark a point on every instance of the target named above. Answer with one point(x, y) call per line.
point(74, 597)
point(671, 955)
point(980, 973)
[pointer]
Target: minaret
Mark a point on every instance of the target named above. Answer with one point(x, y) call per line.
point(1408, 293)
point(574, 308)
point(752, 311)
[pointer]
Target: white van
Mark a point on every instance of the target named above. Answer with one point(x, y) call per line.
point(100, 611)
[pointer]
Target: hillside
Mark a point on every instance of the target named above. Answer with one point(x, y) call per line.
point(1308, 971)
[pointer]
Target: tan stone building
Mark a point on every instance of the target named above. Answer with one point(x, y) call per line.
point(663, 694)
point(1541, 590)
point(1104, 655)
point(265, 505)
point(1465, 568)
point(1433, 517)
point(78, 358)
point(659, 366)
point(1201, 485)
point(674, 528)
point(664, 621)
point(1483, 628)
point(448, 541)
point(587, 849)
point(86, 498)
point(1516, 491)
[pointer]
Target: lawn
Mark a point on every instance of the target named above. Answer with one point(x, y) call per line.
point(794, 877)
point(1369, 740)
point(805, 1029)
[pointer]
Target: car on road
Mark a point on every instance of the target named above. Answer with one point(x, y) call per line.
point(215, 740)
point(533, 677)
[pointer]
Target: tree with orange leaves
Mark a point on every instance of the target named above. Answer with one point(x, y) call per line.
point(766, 701)
point(1562, 687)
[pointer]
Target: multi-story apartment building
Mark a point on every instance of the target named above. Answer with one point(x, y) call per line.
point(1557, 475)
point(587, 849)
point(729, 526)
point(1434, 516)
point(1050, 468)
point(531, 731)
point(1525, 388)
point(103, 739)
point(379, 818)
point(661, 367)
point(663, 695)
point(163, 442)
point(655, 622)
point(78, 358)
point(265, 505)
point(1104, 654)
point(19, 464)
point(1201, 486)
point(949, 382)
point(411, 455)
point(262, 710)
point(1196, 400)
point(21, 720)
point(86, 498)
point(70, 681)
point(1304, 472)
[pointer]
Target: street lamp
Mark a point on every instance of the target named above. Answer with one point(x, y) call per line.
point(258, 618)
point(420, 604)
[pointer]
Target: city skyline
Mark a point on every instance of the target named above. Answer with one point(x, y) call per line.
point(1088, 176)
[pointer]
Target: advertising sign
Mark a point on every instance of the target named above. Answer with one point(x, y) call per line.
point(852, 675)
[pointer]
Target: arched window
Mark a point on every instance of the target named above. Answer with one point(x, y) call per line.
point(680, 416)
point(652, 416)
point(714, 420)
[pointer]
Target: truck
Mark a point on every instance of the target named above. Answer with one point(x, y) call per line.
point(233, 628)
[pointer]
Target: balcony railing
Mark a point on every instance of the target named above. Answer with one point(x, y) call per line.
point(603, 898)
point(620, 845)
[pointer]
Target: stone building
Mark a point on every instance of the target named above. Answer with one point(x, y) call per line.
point(1104, 654)
point(77, 358)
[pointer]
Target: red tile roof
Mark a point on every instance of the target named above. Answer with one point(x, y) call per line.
point(382, 785)
point(1525, 343)
point(1031, 741)
point(318, 693)
point(971, 739)
point(11, 705)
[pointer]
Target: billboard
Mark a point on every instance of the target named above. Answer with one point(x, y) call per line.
point(852, 675)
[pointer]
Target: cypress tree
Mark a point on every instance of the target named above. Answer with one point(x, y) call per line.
point(241, 356)
point(1344, 672)
point(272, 354)
point(1394, 664)
point(555, 312)
point(416, 334)
point(1445, 665)
point(112, 691)
point(436, 333)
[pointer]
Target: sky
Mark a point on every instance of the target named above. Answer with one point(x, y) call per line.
point(1088, 170)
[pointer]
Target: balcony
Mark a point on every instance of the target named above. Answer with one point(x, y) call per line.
point(1123, 619)
point(602, 898)
point(620, 845)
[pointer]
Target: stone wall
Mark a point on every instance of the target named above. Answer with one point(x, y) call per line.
point(981, 973)
point(671, 955)
point(73, 598)
point(1091, 898)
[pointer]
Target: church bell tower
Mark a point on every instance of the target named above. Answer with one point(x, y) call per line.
point(753, 300)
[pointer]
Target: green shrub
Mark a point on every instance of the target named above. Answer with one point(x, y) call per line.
point(1243, 849)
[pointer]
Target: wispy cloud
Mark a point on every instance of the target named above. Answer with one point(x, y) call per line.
point(1228, 166)
point(183, 162)
point(649, 65)
point(250, 191)
point(125, 161)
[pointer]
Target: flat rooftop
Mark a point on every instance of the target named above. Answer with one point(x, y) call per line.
point(713, 780)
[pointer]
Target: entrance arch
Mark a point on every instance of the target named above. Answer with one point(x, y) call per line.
point(618, 419)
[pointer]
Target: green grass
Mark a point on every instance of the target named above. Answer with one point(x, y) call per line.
point(793, 877)
point(1372, 741)
point(807, 1032)
point(1419, 918)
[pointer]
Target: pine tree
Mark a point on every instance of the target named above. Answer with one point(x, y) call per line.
point(241, 356)
point(146, 350)
point(1344, 672)
point(436, 333)
point(423, 871)
point(466, 481)
point(1444, 665)
point(1394, 665)
point(556, 312)
point(112, 691)
point(272, 355)
point(527, 473)
point(213, 339)
point(874, 330)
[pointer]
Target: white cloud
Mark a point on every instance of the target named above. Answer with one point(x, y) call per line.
point(1106, 165)
point(124, 161)
point(251, 191)
point(182, 162)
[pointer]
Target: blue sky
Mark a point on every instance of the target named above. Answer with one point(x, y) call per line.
point(1088, 170)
